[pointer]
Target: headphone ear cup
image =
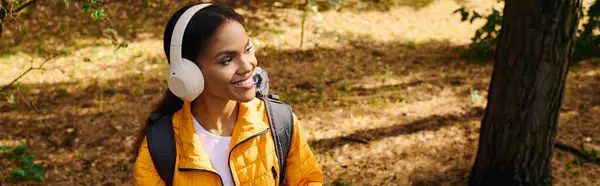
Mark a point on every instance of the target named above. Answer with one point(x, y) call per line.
point(196, 76)
point(177, 82)
point(186, 83)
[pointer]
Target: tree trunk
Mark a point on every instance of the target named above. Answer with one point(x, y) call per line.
point(531, 64)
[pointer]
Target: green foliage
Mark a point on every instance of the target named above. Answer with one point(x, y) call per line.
point(593, 156)
point(411, 44)
point(485, 39)
point(587, 44)
point(474, 95)
point(340, 182)
point(335, 2)
point(5, 148)
point(578, 161)
point(547, 181)
point(29, 170)
point(559, 154)
point(10, 99)
point(61, 92)
point(97, 11)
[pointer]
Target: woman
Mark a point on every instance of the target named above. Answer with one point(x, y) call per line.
point(221, 134)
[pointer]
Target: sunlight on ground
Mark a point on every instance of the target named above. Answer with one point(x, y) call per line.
point(364, 116)
point(97, 59)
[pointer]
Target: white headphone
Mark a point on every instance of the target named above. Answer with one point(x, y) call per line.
point(186, 80)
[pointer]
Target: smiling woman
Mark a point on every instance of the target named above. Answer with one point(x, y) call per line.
point(220, 129)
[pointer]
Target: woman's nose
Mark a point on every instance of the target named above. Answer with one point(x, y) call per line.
point(247, 64)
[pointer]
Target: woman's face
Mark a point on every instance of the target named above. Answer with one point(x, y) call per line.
point(228, 63)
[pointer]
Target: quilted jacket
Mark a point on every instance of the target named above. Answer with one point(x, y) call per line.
point(252, 157)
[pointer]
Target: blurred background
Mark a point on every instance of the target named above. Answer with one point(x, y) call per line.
point(390, 92)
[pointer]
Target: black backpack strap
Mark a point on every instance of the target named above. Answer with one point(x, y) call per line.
point(282, 128)
point(161, 145)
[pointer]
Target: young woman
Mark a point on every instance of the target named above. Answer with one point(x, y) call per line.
point(221, 134)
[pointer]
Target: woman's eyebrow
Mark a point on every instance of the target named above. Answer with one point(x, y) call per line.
point(231, 51)
point(225, 52)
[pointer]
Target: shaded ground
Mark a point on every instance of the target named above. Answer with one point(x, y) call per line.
point(391, 105)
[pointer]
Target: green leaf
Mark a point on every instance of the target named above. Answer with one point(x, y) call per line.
point(19, 173)
point(67, 1)
point(475, 16)
point(39, 121)
point(98, 13)
point(21, 149)
point(464, 16)
point(87, 6)
point(39, 49)
point(14, 156)
point(5, 148)
point(10, 99)
point(36, 169)
point(61, 92)
point(335, 2)
point(461, 9)
point(578, 161)
point(28, 160)
point(474, 95)
point(559, 154)
point(39, 177)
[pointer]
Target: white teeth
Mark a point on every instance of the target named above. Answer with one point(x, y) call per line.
point(249, 80)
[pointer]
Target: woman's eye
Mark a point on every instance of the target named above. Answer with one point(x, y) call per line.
point(248, 49)
point(226, 61)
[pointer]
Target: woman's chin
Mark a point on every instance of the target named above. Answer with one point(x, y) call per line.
point(244, 96)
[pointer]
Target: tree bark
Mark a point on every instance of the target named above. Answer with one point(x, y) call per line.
point(526, 90)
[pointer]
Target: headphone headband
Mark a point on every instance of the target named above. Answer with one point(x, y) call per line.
point(179, 30)
point(185, 78)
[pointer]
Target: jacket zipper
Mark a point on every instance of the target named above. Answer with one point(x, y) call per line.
point(202, 170)
point(229, 157)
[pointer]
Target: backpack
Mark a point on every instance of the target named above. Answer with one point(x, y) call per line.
point(161, 137)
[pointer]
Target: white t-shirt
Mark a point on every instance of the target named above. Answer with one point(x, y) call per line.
point(217, 148)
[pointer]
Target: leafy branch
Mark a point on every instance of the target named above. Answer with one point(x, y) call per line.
point(587, 43)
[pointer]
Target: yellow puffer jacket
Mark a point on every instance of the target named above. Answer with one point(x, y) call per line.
point(252, 154)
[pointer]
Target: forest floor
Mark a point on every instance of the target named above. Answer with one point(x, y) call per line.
point(383, 94)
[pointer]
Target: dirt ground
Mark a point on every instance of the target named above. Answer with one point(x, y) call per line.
point(383, 95)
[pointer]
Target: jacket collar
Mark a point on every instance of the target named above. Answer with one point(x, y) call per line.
point(249, 123)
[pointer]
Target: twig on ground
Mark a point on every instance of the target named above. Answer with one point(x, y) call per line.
point(354, 140)
point(22, 7)
point(41, 67)
point(575, 151)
